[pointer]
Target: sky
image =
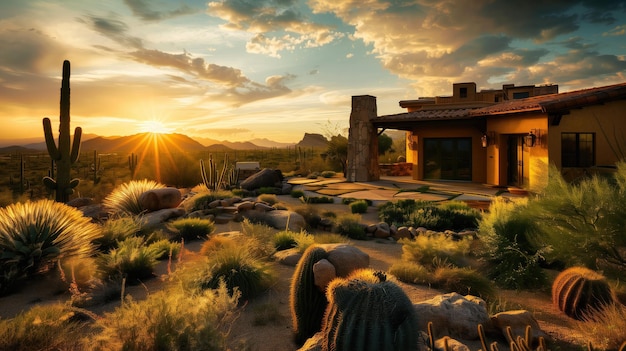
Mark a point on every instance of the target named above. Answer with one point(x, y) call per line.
point(243, 69)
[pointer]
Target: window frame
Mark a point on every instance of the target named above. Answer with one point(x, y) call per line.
point(574, 158)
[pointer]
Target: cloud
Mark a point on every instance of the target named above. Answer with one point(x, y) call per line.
point(265, 18)
point(113, 29)
point(142, 9)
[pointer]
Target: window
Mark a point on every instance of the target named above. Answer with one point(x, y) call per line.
point(448, 158)
point(578, 149)
point(463, 92)
point(521, 95)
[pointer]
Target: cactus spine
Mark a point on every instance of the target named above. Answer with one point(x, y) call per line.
point(577, 291)
point(306, 301)
point(368, 312)
point(132, 164)
point(67, 152)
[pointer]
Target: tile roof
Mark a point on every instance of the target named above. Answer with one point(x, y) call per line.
point(552, 103)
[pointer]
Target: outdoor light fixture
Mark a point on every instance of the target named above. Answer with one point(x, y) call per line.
point(413, 141)
point(530, 139)
point(488, 138)
point(484, 140)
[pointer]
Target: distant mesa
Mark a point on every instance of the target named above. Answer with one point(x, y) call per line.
point(313, 141)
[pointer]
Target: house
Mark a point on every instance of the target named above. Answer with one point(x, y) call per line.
point(503, 137)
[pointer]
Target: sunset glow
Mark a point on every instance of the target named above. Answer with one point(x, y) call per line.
point(238, 70)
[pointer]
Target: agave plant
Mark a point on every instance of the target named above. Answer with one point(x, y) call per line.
point(33, 234)
point(125, 198)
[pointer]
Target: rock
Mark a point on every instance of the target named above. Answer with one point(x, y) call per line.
point(224, 218)
point(324, 272)
point(325, 224)
point(282, 219)
point(215, 203)
point(155, 218)
point(263, 207)
point(454, 315)
point(80, 202)
point(95, 211)
point(402, 233)
point(453, 345)
point(371, 228)
point(158, 199)
point(346, 258)
point(289, 257)
point(245, 206)
point(264, 178)
point(286, 189)
point(518, 320)
point(382, 231)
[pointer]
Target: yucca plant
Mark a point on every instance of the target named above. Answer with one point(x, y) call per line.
point(115, 230)
point(125, 198)
point(133, 259)
point(34, 234)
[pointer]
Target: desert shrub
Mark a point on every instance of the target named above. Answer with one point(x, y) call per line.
point(464, 281)
point(359, 206)
point(410, 272)
point(284, 240)
point(396, 212)
point(461, 214)
point(203, 197)
point(192, 228)
point(587, 217)
point(328, 174)
point(124, 199)
point(310, 214)
point(453, 215)
point(133, 260)
point(49, 327)
point(215, 243)
point(319, 200)
point(425, 249)
point(605, 327)
point(349, 200)
point(34, 234)
point(80, 271)
point(508, 235)
point(350, 226)
point(329, 238)
point(164, 249)
point(169, 320)
point(429, 217)
point(297, 193)
point(270, 199)
point(258, 239)
point(115, 230)
point(268, 190)
point(238, 269)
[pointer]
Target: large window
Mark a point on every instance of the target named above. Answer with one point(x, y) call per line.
point(448, 158)
point(578, 149)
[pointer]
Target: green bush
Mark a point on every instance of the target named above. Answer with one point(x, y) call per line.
point(427, 249)
point(34, 234)
point(396, 212)
point(508, 233)
point(328, 174)
point(124, 199)
point(350, 226)
point(171, 319)
point(270, 199)
point(454, 215)
point(284, 240)
point(165, 249)
point(238, 269)
point(133, 260)
point(297, 193)
point(192, 228)
point(359, 206)
point(49, 327)
point(349, 200)
point(115, 230)
point(204, 196)
point(310, 214)
point(464, 281)
point(319, 200)
point(585, 222)
point(410, 272)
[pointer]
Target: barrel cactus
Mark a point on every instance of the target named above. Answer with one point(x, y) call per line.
point(307, 302)
point(367, 311)
point(577, 291)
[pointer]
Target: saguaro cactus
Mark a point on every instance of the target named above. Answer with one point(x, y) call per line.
point(366, 311)
point(132, 165)
point(67, 152)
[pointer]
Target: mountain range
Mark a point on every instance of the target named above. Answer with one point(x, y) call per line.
point(173, 141)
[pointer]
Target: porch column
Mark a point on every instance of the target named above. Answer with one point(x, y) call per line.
point(362, 141)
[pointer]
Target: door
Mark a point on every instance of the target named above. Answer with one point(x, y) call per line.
point(517, 156)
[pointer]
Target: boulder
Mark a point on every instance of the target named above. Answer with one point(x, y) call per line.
point(158, 199)
point(402, 233)
point(264, 178)
point(323, 272)
point(346, 258)
point(245, 206)
point(289, 257)
point(454, 315)
point(80, 202)
point(518, 320)
point(283, 219)
point(155, 218)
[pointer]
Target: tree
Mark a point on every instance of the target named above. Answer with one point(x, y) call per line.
point(385, 144)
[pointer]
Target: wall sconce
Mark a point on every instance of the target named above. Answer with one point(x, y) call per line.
point(487, 139)
point(531, 139)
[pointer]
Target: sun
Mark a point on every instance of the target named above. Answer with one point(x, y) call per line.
point(154, 127)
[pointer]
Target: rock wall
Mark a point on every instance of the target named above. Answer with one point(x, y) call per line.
point(362, 141)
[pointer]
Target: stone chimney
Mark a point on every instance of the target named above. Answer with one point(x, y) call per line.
point(362, 141)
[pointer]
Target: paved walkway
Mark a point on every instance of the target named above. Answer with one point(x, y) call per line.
point(396, 188)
